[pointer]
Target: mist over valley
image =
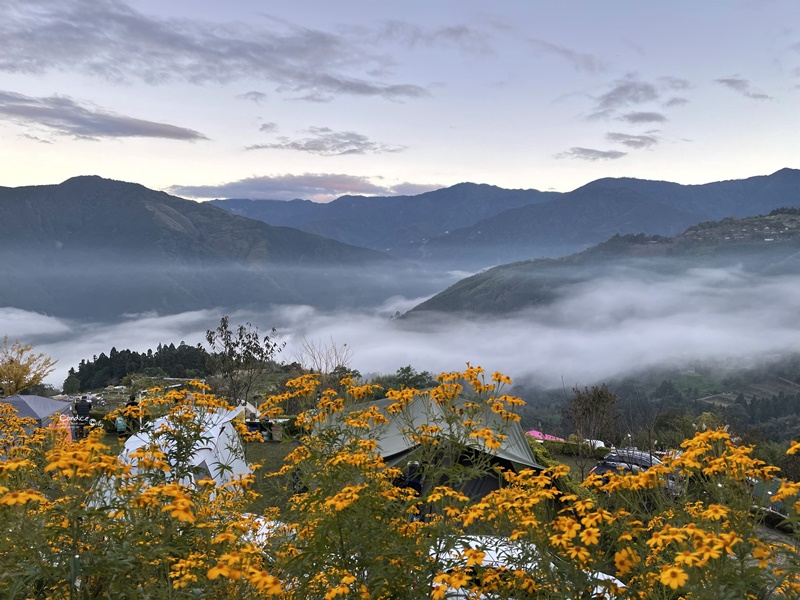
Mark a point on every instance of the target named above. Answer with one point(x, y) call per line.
point(610, 327)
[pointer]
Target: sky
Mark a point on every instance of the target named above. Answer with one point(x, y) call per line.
point(317, 99)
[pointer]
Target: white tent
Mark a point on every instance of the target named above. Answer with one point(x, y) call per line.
point(218, 455)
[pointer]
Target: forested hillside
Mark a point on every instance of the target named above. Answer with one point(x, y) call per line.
point(168, 360)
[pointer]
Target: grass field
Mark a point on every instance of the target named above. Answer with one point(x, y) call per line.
point(274, 491)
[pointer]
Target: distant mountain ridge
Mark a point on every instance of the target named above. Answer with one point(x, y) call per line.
point(767, 245)
point(389, 223)
point(84, 212)
point(471, 226)
point(93, 247)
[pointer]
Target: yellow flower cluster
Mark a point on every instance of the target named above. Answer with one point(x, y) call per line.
point(357, 526)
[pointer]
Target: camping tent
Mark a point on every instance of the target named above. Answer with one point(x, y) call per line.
point(44, 410)
point(218, 454)
point(397, 449)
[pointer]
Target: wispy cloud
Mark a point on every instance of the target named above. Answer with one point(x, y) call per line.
point(591, 154)
point(257, 97)
point(627, 92)
point(633, 141)
point(320, 187)
point(742, 86)
point(643, 117)
point(676, 101)
point(111, 40)
point(674, 83)
point(460, 36)
point(64, 116)
point(34, 138)
point(632, 91)
point(326, 142)
point(579, 60)
point(268, 127)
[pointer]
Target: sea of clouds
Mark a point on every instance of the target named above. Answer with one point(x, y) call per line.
point(598, 330)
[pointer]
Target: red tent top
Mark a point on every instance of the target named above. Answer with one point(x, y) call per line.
point(543, 436)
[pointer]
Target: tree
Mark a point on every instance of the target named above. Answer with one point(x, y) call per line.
point(408, 377)
point(72, 385)
point(21, 368)
point(331, 361)
point(322, 358)
point(592, 413)
point(240, 358)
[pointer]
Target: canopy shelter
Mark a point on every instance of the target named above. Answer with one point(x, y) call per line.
point(535, 433)
point(397, 449)
point(44, 410)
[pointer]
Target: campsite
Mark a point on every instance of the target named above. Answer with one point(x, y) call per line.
point(434, 493)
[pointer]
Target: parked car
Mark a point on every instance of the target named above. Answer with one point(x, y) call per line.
point(632, 457)
point(631, 461)
point(603, 467)
point(774, 513)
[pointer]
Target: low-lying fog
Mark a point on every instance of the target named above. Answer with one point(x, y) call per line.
point(600, 329)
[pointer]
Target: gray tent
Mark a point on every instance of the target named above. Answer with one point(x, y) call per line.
point(397, 449)
point(44, 410)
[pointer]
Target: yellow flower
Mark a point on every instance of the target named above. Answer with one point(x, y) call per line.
point(500, 378)
point(578, 553)
point(590, 536)
point(474, 556)
point(761, 553)
point(786, 490)
point(219, 570)
point(263, 581)
point(707, 552)
point(13, 465)
point(181, 509)
point(625, 560)
point(673, 577)
point(13, 498)
point(687, 558)
point(570, 527)
point(458, 579)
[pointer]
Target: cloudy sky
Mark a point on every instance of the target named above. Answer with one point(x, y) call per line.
point(315, 99)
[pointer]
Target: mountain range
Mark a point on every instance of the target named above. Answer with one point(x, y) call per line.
point(93, 247)
point(470, 226)
point(97, 248)
point(398, 225)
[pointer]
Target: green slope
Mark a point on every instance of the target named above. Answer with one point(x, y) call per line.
point(768, 245)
